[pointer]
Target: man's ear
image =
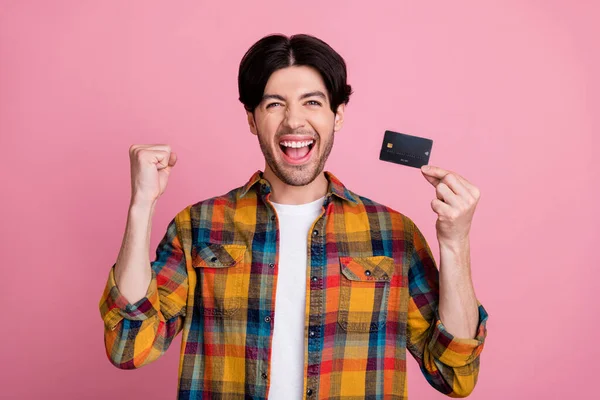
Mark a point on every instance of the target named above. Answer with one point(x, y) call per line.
point(339, 117)
point(252, 123)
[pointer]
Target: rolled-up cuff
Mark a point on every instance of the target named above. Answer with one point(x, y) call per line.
point(114, 306)
point(457, 352)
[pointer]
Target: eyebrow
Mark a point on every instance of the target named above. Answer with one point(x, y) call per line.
point(316, 93)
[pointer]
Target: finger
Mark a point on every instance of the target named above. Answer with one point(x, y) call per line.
point(439, 194)
point(473, 190)
point(440, 208)
point(439, 173)
point(160, 158)
point(457, 183)
point(434, 171)
point(138, 147)
point(172, 159)
point(156, 157)
point(434, 181)
point(156, 146)
point(445, 194)
point(454, 183)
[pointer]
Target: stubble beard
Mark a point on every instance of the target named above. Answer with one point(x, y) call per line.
point(297, 175)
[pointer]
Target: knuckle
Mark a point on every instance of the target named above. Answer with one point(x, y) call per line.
point(140, 153)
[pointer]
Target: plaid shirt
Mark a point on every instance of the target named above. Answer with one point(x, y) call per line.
point(372, 292)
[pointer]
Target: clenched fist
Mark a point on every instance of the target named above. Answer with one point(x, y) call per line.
point(150, 168)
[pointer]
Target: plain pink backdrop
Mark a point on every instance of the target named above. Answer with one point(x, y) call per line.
point(507, 90)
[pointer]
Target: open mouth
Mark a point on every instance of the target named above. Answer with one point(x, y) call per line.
point(296, 151)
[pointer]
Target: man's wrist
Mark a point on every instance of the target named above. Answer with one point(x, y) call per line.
point(142, 206)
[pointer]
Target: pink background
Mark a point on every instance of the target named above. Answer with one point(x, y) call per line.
point(507, 90)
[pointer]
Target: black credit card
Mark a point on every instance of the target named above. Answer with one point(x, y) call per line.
point(400, 148)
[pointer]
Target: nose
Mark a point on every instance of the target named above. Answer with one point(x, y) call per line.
point(294, 118)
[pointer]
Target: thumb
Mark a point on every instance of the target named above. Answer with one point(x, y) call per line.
point(165, 159)
point(431, 179)
point(171, 162)
point(172, 159)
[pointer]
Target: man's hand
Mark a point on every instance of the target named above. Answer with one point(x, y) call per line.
point(150, 169)
point(455, 204)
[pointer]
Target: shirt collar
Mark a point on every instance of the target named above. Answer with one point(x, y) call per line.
point(335, 187)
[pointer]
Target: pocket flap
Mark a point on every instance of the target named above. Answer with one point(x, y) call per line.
point(213, 255)
point(374, 268)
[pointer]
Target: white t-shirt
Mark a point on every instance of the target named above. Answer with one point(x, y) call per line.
point(287, 353)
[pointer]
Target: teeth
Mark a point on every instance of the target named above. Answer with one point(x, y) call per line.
point(297, 145)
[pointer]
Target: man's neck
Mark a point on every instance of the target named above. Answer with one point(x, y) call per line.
point(283, 193)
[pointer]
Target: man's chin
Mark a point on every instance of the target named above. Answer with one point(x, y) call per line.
point(296, 175)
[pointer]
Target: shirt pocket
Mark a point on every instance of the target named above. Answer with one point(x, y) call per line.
point(364, 292)
point(220, 269)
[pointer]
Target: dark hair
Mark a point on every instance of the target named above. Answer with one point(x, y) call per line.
point(275, 52)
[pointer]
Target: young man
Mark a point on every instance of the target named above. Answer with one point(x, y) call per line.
point(293, 286)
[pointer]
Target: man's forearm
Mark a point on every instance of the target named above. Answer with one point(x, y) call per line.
point(132, 269)
point(458, 306)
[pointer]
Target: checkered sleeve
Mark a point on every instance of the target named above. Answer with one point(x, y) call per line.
point(137, 334)
point(450, 364)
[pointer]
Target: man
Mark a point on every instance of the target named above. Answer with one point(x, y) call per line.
point(293, 286)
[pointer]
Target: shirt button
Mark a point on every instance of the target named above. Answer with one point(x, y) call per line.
point(314, 279)
point(308, 392)
point(315, 232)
point(267, 319)
point(368, 273)
point(312, 333)
point(273, 218)
point(271, 265)
point(214, 259)
point(264, 375)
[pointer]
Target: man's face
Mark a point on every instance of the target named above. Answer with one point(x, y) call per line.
point(295, 125)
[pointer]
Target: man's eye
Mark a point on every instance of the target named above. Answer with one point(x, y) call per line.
point(313, 103)
point(272, 104)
